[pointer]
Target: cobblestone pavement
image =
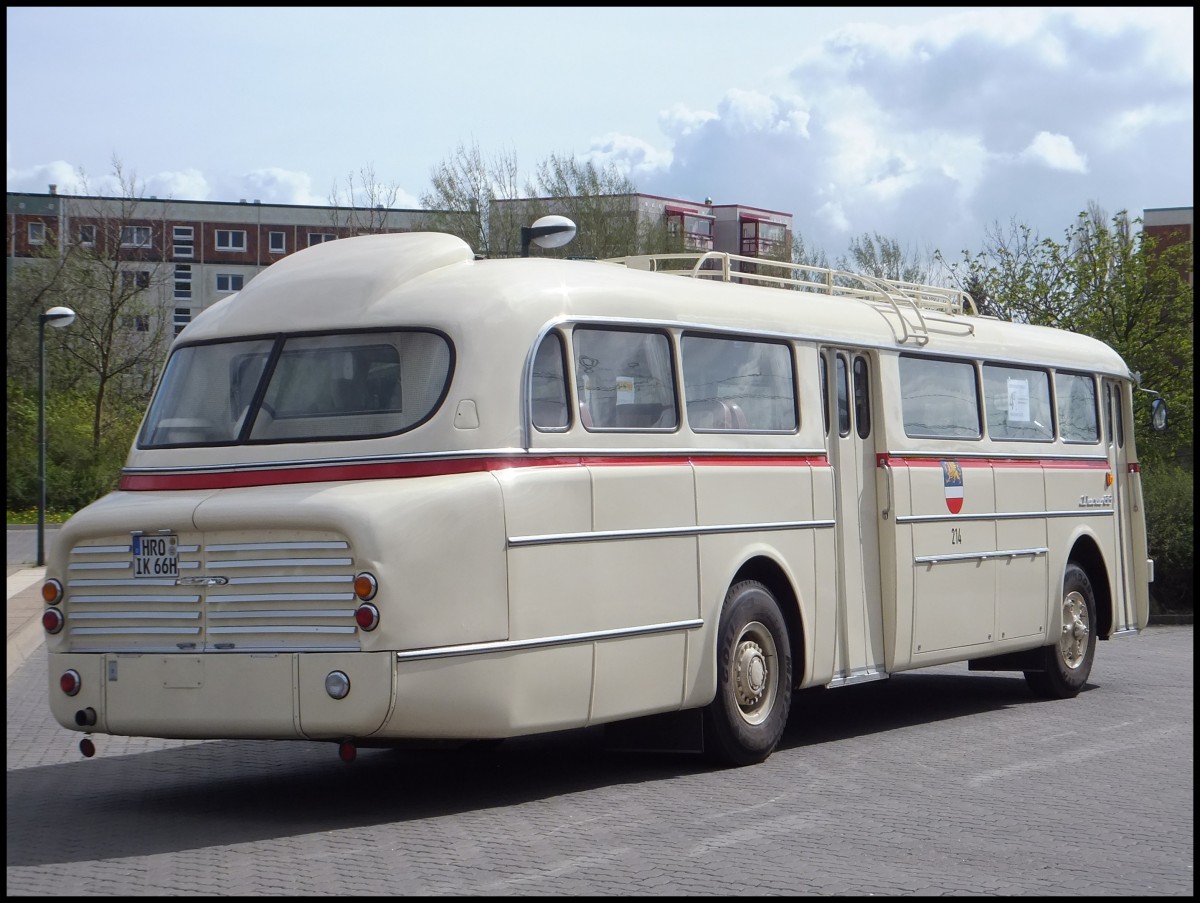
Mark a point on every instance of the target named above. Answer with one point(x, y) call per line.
point(939, 782)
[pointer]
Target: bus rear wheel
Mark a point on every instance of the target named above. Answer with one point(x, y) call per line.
point(744, 722)
point(1067, 663)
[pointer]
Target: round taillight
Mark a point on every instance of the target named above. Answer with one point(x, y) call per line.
point(52, 620)
point(70, 682)
point(52, 591)
point(366, 616)
point(365, 586)
point(337, 684)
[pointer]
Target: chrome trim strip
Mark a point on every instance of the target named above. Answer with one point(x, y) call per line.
point(132, 615)
point(543, 642)
point(141, 581)
point(100, 565)
point(859, 676)
point(262, 546)
point(98, 550)
point(605, 535)
point(315, 578)
point(1126, 631)
point(347, 613)
point(314, 628)
point(220, 599)
point(1001, 515)
point(980, 556)
point(131, 631)
point(281, 562)
point(186, 600)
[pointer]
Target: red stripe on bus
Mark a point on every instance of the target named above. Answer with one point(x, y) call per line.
point(138, 482)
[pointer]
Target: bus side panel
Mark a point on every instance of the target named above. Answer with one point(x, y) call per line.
point(1067, 488)
point(497, 695)
point(1139, 556)
point(897, 576)
point(1022, 581)
point(955, 593)
point(741, 497)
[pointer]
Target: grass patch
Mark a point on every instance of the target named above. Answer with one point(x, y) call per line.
point(30, 516)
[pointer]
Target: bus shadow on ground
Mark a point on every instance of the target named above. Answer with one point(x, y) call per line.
point(224, 793)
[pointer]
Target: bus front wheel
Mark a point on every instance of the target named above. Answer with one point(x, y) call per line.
point(754, 678)
point(1068, 662)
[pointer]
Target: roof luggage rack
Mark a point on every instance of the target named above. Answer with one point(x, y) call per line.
point(914, 304)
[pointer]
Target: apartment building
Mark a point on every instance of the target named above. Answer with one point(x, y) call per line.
point(187, 254)
point(1169, 225)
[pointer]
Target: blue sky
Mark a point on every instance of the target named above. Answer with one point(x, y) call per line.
point(932, 126)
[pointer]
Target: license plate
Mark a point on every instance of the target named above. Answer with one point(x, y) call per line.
point(156, 556)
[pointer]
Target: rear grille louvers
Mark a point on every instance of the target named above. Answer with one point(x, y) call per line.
point(233, 594)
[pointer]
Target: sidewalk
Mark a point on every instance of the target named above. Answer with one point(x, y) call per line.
point(24, 613)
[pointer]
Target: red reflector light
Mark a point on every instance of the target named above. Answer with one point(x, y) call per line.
point(52, 620)
point(70, 682)
point(366, 616)
point(51, 591)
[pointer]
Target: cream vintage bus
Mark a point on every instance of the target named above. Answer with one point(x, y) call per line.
point(390, 492)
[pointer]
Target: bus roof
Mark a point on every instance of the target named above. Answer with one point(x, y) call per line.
point(434, 280)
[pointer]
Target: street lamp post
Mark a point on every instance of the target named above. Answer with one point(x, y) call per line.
point(547, 232)
point(55, 316)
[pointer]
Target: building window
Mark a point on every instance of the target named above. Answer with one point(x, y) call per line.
point(229, 282)
point(231, 240)
point(141, 323)
point(277, 242)
point(183, 316)
point(87, 235)
point(183, 281)
point(183, 239)
point(135, 281)
point(135, 236)
point(315, 238)
point(37, 233)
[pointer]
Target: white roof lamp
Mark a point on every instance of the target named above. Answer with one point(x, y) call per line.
point(547, 232)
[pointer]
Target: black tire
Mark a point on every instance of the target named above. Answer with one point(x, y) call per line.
point(1067, 663)
point(743, 724)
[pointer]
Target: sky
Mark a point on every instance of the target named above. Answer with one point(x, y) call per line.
point(932, 127)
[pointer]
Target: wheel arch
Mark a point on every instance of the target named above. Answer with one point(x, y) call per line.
point(770, 574)
point(1086, 553)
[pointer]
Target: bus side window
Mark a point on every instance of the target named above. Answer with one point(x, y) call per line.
point(624, 378)
point(862, 404)
point(548, 386)
point(1076, 396)
point(843, 396)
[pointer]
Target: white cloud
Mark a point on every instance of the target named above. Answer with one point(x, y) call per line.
point(1055, 151)
point(185, 185)
point(632, 156)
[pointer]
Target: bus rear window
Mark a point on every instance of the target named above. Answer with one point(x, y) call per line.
point(299, 388)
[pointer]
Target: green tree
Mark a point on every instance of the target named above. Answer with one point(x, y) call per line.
point(464, 187)
point(882, 257)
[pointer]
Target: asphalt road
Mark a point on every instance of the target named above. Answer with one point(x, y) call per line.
point(940, 782)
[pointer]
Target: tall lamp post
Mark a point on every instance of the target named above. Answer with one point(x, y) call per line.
point(55, 316)
point(547, 232)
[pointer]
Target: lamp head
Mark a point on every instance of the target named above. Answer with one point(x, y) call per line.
point(59, 316)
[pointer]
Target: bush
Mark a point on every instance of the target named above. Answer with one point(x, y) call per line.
point(1167, 491)
point(76, 472)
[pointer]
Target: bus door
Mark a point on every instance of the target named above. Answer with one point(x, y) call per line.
point(851, 446)
point(1116, 447)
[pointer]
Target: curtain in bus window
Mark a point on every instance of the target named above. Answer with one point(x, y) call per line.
point(1077, 417)
point(938, 398)
point(1017, 402)
point(738, 384)
point(624, 378)
point(356, 385)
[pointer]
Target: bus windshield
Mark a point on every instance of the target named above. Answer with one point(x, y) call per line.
point(298, 388)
